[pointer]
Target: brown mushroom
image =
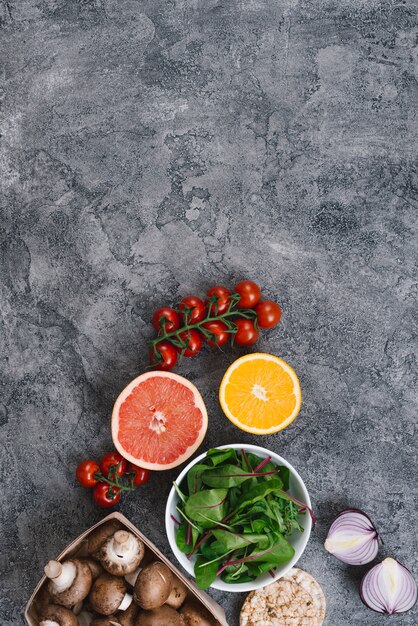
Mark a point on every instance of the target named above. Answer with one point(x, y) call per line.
point(196, 615)
point(163, 616)
point(178, 594)
point(55, 615)
point(95, 567)
point(85, 618)
point(127, 618)
point(69, 582)
point(97, 538)
point(121, 553)
point(105, 621)
point(108, 595)
point(153, 585)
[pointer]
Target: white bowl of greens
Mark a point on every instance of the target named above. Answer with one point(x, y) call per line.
point(238, 517)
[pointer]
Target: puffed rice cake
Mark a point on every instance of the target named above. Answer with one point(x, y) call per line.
point(296, 599)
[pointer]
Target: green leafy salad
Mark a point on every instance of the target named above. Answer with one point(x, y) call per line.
point(236, 516)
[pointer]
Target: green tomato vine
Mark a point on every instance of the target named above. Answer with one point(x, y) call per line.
point(227, 318)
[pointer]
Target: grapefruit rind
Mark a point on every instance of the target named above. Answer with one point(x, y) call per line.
point(235, 420)
point(199, 403)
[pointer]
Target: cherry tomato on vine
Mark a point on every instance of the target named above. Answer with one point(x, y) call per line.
point(85, 473)
point(194, 342)
point(168, 354)
point(220, 330)
point(112, 458)
point(166, 319)
point(106, 496)
point(268, 314)
point(250, 294)
point(142, 475)
point(222, 294)
point(246, 334)
point(197, 307)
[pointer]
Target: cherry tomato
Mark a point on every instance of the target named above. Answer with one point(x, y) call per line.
point(246, 334)
point(105, 496)
point(142, 475)
point(85, 473)
point(250, 294)
point(198, 309)
point(194, 342)
point(220, 330)
point(168, 354)
point(112, 458)
point(268, 314)
point(222, 294)
point(166, 319)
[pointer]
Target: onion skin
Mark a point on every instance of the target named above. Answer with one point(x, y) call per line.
point(353, 538)
point(388, 588)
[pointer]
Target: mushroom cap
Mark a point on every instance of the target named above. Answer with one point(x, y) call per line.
point(97, 538)
point(163, 616)
point(105, 621)
point(121, 562)
point(78, 590)
point(107, 594)
point(153, 585)
point(58, 614)
point(178, 594)
point(196, 615)
point(95, 567)
point(127, 618)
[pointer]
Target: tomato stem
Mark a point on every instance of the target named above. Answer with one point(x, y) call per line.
point(116, 483)
point(174, 336)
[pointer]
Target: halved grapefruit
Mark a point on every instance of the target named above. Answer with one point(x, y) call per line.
point(159, 420)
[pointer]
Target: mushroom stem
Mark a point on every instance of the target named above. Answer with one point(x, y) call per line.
point(123, 543)
point(126, 602)
point(63, 574)
point(48, 622)
point(131, 578)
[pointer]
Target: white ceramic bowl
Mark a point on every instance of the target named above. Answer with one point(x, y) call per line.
point(297, 539)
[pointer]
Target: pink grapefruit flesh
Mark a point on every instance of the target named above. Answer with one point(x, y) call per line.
point(159, 420)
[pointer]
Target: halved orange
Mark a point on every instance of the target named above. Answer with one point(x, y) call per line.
point(159, 420)
point(260, 393)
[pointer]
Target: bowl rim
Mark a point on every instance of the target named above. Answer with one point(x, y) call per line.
point(261, 581)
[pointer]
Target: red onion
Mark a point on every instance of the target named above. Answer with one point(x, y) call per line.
point(353, 538)
point(388, 588)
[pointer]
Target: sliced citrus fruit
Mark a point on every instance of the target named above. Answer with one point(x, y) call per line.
point(260, 393)
point(159, 420)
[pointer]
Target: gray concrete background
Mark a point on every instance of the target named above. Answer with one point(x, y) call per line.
point(150, 149)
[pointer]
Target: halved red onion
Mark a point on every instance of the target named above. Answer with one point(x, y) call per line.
point(353, 538)
point(389, 588)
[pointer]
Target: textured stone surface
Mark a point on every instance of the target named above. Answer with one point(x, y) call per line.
point(151, 148)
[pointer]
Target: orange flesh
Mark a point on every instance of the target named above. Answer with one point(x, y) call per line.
point(274, 384)
point(159, 421)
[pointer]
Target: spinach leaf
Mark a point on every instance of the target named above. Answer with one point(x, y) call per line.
point(194, 477)
point(259, 492)
point(233, 541)
point(181, 538)
point(207, 507)
point(220, 456)
point(225, 476)
point(205, 571)
point(284, 476)
point(280, 552)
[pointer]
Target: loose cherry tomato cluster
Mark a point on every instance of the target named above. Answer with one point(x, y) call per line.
point(110, 477)
point(184, 330)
